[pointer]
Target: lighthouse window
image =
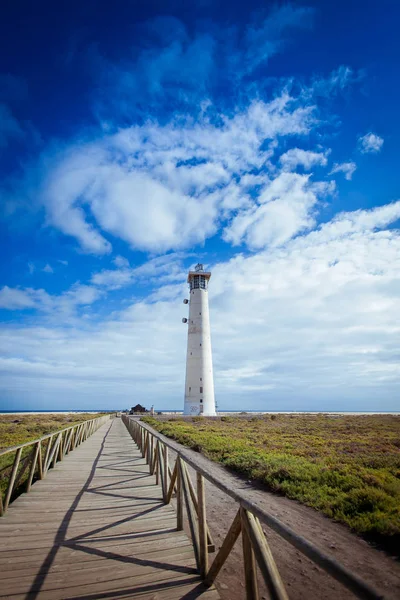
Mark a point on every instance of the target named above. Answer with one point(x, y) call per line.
point(201, 399)
point(190, 389)
point(198, 281)
point(201, 391)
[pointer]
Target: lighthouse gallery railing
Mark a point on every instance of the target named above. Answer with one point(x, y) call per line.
point(248, 520)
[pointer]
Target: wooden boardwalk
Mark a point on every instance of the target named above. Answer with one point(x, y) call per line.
point(97, 528)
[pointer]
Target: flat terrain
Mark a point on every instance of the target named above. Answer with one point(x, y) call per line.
point(347, 467)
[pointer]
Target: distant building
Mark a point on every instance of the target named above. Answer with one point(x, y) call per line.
point(138, 409)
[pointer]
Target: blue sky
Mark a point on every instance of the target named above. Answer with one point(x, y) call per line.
point(137, 138)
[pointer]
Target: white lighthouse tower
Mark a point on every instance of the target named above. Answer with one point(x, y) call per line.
point(199, 384)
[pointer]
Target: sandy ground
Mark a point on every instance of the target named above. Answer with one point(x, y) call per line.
point(302, 578)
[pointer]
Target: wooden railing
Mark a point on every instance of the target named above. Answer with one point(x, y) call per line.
point(34, 459)
point(248, 521)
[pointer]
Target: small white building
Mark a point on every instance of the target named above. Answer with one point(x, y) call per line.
point(199, 384)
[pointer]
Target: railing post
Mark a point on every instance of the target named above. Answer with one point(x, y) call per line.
point(40, 459)
point(12, 479)
point(223, 553)
point(179, 503)
point(157, 462)
point(56, 450)
point(250, 569)
point(192, 517)
point(33, 466)
point(151, 453)
point(264, 556)
point(46, 456)
point(61, 446)
point(165, 482)
point(201, 499)
point(145, 445)
point(174, 475)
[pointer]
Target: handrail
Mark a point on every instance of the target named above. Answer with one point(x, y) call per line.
point(154, 447)
point(43, 456)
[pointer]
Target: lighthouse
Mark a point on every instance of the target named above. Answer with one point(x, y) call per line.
point(199, 384)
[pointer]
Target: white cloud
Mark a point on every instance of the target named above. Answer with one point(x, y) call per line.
point(370, 143)
point(166, 187)
point(298, 157)
point(48, 269)
point(112, 279)
point(15, 299)
point(347, 168)
point(285, 208)
point(358, 221)
point(312, 324)
point(121, 261)
point(159, 270)
point(58, 306)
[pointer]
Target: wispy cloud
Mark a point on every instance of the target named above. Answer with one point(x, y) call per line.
point(347, 168)
point(59, 307)
point(157, 271)
point(48, 269)
point(305, 158)
point(10, 128)
point(370, 143)
point(339, 82)
point(173, 69)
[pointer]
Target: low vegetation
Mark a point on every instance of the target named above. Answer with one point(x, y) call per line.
point(348, 467)
point(18, 429)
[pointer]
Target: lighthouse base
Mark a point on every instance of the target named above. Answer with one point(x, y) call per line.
point(195, 409)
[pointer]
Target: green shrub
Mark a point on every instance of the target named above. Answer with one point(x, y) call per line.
point(348, 467)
